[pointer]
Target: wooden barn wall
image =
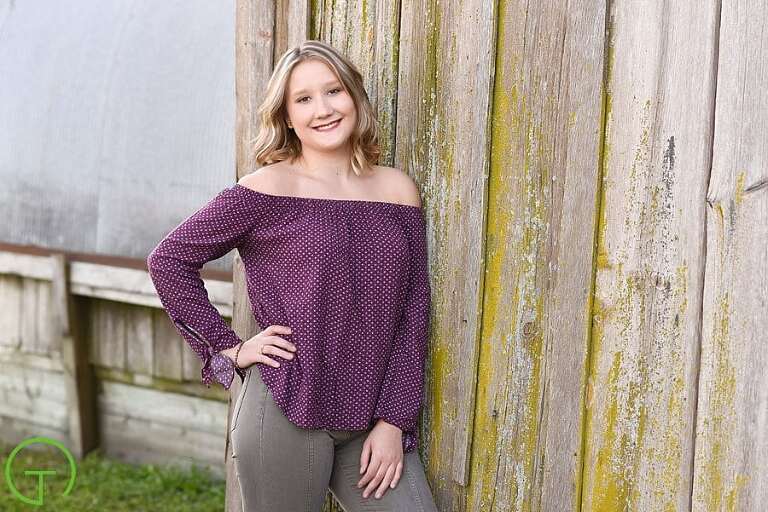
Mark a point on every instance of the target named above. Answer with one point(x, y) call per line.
point(564, 156)
point(102, 102)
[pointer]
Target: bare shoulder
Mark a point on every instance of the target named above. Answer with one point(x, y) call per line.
point(267, 179)
point(400, 185)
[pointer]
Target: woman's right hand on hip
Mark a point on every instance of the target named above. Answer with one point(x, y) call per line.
point(259, 348)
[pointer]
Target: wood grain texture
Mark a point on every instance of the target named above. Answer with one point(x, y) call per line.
point(11, 308)
point(445, 68)
point(33, 395)
point(29, 325)
point(167, 346)
point(118, 284)
point(255, 50)
point(731, 464)
point(147, 425)
point(650, 257)
point(542, 203)
point(139, 350)
point(78, 375)
point(109, 333)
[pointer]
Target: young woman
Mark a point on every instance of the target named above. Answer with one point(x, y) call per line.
point(335, 254)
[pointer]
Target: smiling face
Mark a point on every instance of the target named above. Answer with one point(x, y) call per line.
point(315, 97)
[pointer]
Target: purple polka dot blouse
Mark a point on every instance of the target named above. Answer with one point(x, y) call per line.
point(349, 277)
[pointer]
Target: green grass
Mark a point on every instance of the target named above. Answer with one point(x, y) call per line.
point(103, 484)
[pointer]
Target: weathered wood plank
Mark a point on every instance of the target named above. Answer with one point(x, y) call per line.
point(34, 361)
point(145, 425)
point(29, 315)
point(167, 346)
point(155, 405)
point(541, 219)
point(94, 320)
point(33, 395)
point(255, 52)
point(47, 342)
point(650, 261)
point(110, 333)
point(731, 463)
point(11, 307)
point(291, 24)
point(15, 430)
point(78, 375)
point(195, 389)
point(140, 339)
point(446, 63)
point(125, 285)
point(190, 364)
point(147, 442)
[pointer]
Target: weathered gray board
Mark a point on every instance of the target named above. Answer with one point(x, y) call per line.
point(731, 465)
point(147, 425)
point(641, 394)
point(117, 120)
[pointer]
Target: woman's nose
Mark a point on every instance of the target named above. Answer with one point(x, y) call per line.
point(324, 109)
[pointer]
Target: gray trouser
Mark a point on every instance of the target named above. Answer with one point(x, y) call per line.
point(284, 468)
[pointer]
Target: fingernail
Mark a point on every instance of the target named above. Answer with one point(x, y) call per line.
point(378, 496)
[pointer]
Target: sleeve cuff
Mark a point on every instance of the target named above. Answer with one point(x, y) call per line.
point(220, 368)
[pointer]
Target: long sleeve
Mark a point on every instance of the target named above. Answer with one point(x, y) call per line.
point(402, 391)
point(221, 225)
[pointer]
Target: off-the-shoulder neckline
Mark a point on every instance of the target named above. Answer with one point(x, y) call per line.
point(328, 199)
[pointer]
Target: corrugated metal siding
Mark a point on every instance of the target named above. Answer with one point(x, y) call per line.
point(102, 105)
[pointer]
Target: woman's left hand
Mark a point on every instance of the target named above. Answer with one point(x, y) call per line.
point(382, 458)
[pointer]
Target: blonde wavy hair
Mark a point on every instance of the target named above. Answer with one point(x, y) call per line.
point(275, 142)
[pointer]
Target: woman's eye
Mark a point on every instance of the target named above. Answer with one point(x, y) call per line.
point(301, 100)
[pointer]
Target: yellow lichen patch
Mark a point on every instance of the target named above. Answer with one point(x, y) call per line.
point(732, 499)
point(601, 260)
point(608, 491)
point(717, 424)
point(740, 180)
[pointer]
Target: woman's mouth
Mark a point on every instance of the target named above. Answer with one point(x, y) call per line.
point(327, 127)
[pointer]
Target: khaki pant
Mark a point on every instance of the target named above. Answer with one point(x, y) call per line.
point(284, 468)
